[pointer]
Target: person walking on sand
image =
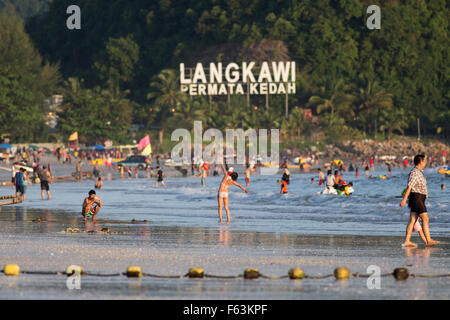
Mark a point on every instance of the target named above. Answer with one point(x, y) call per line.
point(45, 178)
point(91, 206)
point(229, 178)
point(417, 192)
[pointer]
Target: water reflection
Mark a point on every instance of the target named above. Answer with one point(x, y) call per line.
point(224, 236)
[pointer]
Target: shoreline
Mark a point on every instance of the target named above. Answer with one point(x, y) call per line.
point(222, 251)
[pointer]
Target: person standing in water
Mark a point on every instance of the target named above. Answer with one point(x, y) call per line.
point(204, 173)
point(99, 183)
point(329, 180)
point(417, 192)
point(45, 177)
point(229, 178)
point(160, 175)
point(285, 180)
point(321, 176)
point(247, 175)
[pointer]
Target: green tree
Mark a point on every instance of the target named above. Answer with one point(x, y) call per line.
point(165, 96)
point(25, 81)
point(97, 114)
point(370, 101)
point(337, 99)
point(117, 64)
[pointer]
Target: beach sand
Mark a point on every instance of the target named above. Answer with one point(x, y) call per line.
point(218, 250)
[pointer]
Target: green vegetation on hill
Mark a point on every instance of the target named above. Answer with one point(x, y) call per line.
point(358, 82)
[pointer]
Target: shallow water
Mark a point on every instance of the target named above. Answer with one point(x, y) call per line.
point(372, 210)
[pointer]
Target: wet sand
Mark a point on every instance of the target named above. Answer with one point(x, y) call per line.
point(219, 250)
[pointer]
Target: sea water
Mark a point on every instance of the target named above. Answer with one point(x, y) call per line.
point(373, 209)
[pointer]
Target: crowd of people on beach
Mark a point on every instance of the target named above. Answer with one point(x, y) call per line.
point(415, 193)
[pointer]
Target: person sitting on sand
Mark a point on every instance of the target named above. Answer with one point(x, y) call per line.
point(99, 183)
point(417, 192)
point(91, 205)
point(229, 178)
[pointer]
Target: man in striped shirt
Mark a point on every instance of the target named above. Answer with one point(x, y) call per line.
point(417, 192)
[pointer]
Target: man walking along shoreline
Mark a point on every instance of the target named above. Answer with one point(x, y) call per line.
point(417, 192)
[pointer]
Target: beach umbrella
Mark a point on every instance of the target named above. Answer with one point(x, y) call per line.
point(97, 146)
point(5, 145)
point(32, 146)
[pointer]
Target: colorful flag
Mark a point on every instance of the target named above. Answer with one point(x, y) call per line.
point(147, 150)
point(145, 141)
point(73, 136)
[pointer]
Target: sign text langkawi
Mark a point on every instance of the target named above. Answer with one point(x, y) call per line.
point(269, 78)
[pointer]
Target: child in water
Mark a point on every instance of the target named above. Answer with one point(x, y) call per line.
point(99, 183)
point(160, 175)
point(229, 178)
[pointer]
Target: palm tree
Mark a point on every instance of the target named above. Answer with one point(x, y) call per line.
point(294, 124)
point(371, 100)
point(188, 111)
point(166, 95)
point(336, 98)
point(393, 119)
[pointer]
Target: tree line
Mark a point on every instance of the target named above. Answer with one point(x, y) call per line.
point(121, 67)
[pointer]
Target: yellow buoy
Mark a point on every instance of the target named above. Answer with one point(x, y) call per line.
point(134, 272)
point(401, 274)
point(195, 273)
point(251, 274)
point(296, 273)
point(11, 270)
point(73, 269)
point(341, 273)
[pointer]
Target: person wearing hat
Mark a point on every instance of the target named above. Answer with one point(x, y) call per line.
point(223, 196)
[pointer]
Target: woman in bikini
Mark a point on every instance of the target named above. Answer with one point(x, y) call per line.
point(229, 178)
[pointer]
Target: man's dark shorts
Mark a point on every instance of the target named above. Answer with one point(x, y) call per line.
point(417, 202)
point(44, 185)
point(19, 188)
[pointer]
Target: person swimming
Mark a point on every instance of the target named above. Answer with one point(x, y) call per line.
point(229, 178)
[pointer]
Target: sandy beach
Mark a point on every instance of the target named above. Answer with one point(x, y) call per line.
point(219, 251)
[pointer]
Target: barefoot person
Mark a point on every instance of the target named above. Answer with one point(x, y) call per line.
point(417, 192)
point(91, 206)
point(160, 175)
point(222, 197)
point(46, 178)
